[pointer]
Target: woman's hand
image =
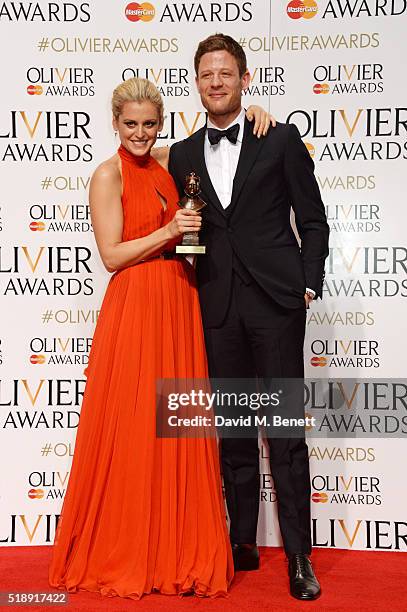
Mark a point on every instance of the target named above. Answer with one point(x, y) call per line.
point(262, 120)
point(184, 221)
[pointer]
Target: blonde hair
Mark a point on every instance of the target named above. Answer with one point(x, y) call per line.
point(136, 90)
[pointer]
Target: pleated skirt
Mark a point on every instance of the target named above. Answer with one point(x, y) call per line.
point(142, 514)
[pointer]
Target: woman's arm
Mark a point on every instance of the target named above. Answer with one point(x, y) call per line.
point(262, 120)
point(107, 221)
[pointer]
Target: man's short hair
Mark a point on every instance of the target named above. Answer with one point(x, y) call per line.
point(221, 42)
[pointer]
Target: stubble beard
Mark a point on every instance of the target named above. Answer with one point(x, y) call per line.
point(234, 105)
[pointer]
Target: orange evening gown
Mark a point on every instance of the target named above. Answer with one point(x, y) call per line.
point(142, 514)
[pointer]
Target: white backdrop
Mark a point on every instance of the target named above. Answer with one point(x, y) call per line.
point(332, 67)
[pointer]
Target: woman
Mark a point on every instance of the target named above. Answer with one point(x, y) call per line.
point(141, 514)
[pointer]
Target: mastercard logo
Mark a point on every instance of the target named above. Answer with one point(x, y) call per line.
point(34, 90)
point(37, 359)
point(311, 148)
point(35, 493)
point(319, 498)
point(139, 12)
point(321, 88)
point(318, 361)
point(302, 8)
point(37, 226)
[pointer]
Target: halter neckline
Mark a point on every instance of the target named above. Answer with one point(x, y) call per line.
point(138, 160)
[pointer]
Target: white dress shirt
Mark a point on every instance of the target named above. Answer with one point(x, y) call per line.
point(221, 160)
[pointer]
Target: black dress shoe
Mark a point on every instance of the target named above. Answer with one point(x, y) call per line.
point(245, 557)
point(303, 583)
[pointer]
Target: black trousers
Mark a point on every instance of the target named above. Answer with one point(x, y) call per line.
point(260, 338)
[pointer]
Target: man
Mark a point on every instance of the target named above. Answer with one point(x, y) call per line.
point(255, 284)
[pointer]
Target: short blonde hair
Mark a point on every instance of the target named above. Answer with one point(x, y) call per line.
point(136, 90)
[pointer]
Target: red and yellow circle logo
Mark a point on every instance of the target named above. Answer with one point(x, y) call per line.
point(140, 12)
point(37, 359)
point(36, 493)
point(320, 498)
point(318, 361)
point(302, 8)
point(321, 88)
point(34, 90)
point(37, 226)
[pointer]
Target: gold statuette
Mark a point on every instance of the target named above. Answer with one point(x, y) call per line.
point(191, 201)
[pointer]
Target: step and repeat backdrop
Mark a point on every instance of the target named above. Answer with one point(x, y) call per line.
point(332, 67)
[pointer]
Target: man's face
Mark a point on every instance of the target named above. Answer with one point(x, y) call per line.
point(219, 83)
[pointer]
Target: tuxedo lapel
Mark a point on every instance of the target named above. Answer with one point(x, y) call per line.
point(196, 156)
point(251, 146)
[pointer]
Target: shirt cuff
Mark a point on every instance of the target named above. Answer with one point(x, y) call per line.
point(307, 289)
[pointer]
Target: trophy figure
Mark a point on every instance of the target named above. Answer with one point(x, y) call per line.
point(191, 201)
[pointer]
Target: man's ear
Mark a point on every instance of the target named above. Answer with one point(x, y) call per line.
point(245, 80)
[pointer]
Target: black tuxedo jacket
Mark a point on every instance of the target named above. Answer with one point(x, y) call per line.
point(274, 173)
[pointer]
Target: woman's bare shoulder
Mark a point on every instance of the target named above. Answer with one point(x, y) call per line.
point(108, 170)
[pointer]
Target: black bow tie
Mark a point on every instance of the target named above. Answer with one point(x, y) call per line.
point(231, 134)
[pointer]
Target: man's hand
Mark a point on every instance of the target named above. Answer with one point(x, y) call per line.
point(262, 120)
point(308, 299)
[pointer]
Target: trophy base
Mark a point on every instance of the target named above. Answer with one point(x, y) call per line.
point(190, 249)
